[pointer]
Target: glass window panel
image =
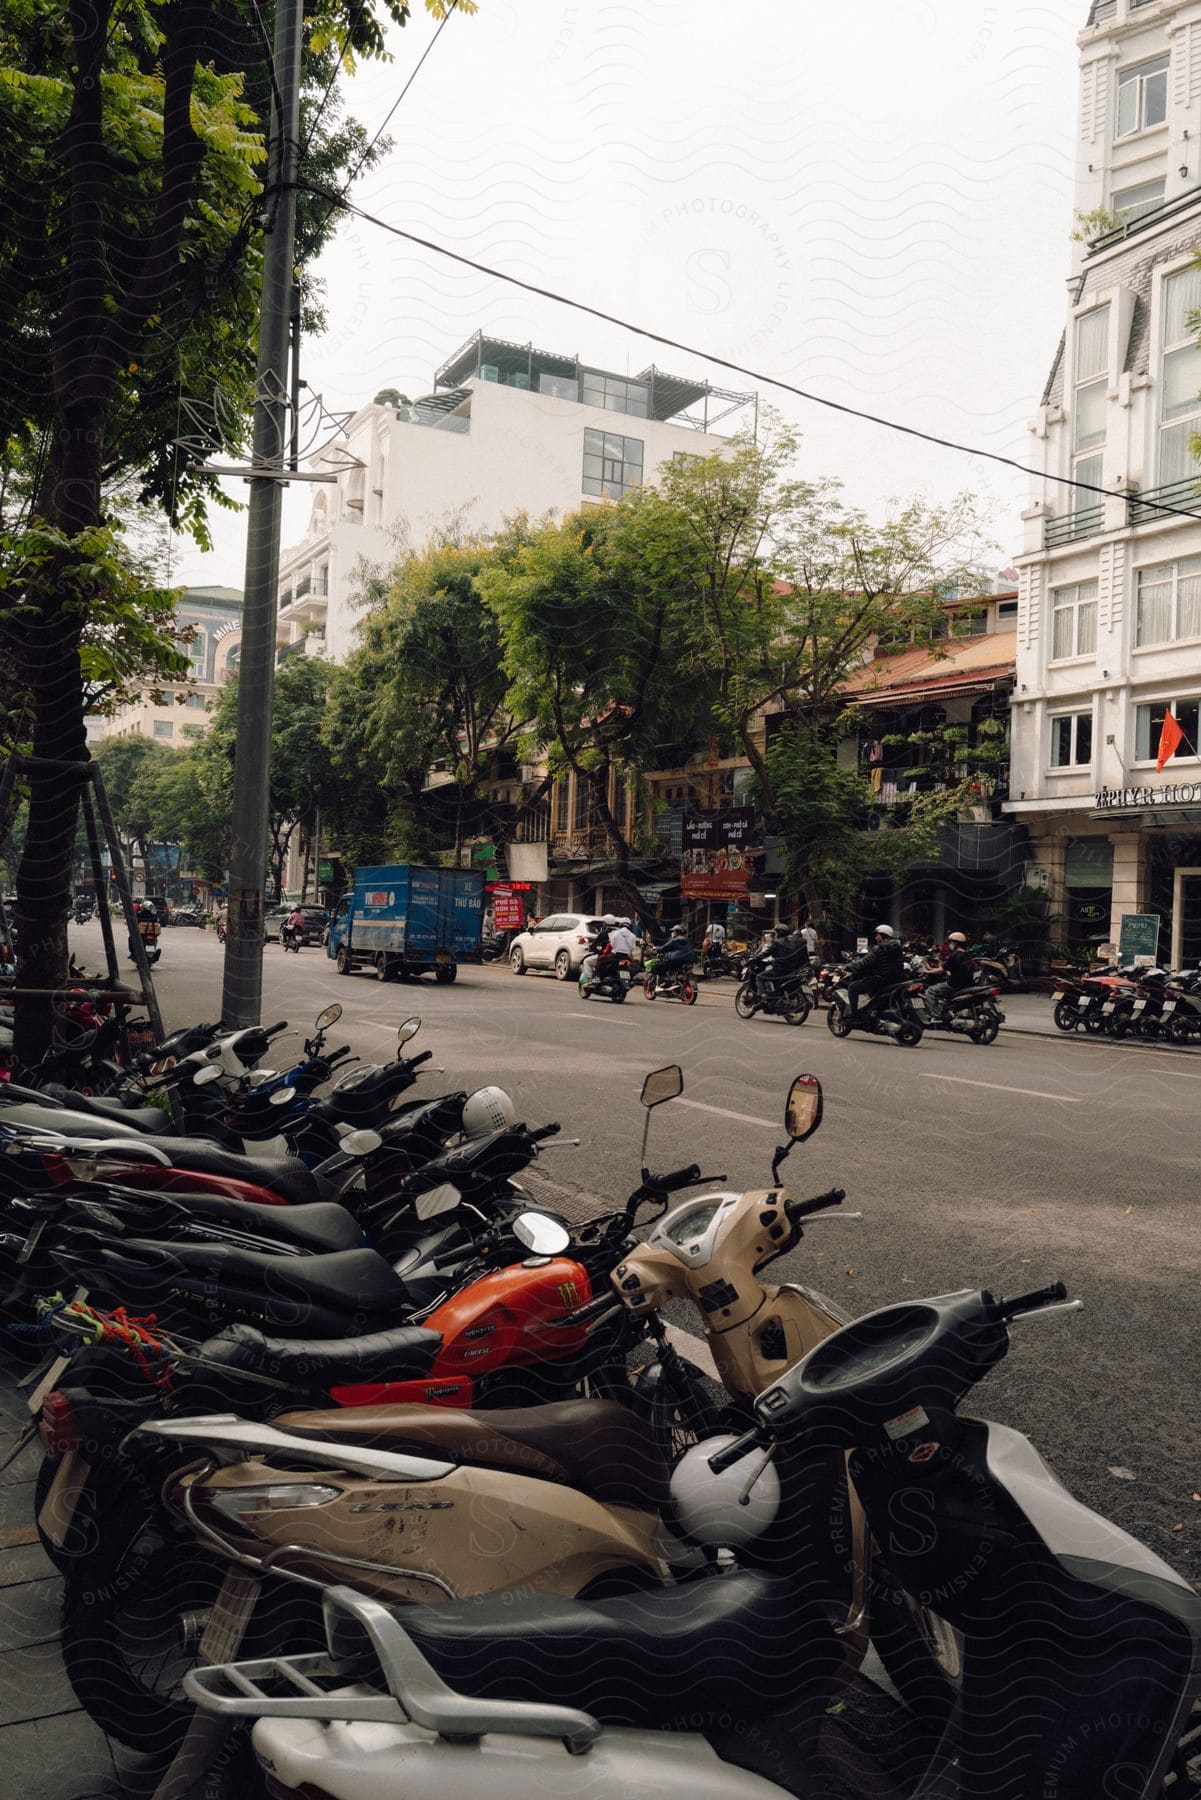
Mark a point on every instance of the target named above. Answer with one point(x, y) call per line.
point(1155, 98)
point(1153, 619)
point(1086, 628)
point(1127, 106)
point(1181, 382)
point(1188, 606)
point(1092, 343)
point(1176, 459)
point(1143, 724)
point(1061, 644)
point(1133, 202)
point(1187, 712)
point(1090, 414)
point(1061, 742)
point(1084, 738)
point(1182, 296)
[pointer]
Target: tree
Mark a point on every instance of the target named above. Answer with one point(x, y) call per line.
point(129, 766)
point(597, 649)
point(132, 130)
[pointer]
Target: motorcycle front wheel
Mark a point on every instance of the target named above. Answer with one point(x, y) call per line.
point(745, 1004)
point(648, 987)
point(838, 1018)
point(1066, 1016)
point(688, 992)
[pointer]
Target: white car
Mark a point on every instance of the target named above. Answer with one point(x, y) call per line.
point(559, 942)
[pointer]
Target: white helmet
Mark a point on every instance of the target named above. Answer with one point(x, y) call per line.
point(710, 1507)
point(488, 1109)
point(608, 919)
point(885, 931)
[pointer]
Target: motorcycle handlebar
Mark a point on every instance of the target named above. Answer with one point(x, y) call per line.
point(742, 1446)
point(1033, 1301)
point(544, 1131)
point(415, 1062)
point(274, 1030)
point(801, 1209)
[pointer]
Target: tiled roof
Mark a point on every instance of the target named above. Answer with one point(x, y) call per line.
point(967, 662)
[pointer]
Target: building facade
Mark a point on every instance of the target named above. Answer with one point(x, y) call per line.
point(212, 619)
point(1109, 617)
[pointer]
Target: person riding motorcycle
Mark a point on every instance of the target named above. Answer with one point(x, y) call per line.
point(957, 973)
point(883, 967)
point(677, 952)
point(620, 942)
point(598, 947)
point(149, 929)
point(293, 926)
point(776, 960)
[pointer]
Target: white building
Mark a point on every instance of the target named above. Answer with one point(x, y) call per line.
point(176, 714)
point(507, 429)
point(1109, 625)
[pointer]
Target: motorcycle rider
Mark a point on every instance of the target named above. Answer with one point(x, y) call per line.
point(621, 942)
point(293, 925)
point(883, 967)
point(775, 961)
point(677, 952)
point(957, 970)
point(598, 947)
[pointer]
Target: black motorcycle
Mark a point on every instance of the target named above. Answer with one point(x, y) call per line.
point(890, 1013)
point(610, 980)
point(776, 997)
point(972, 1012)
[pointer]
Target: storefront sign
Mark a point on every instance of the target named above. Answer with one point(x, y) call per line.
point(325, 870)
point(508, 909)
point(1138, 938)
point(1129, 799)
point(716, 862)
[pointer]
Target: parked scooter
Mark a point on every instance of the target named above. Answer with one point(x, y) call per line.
point(1082, 1650)
point(891, 1013)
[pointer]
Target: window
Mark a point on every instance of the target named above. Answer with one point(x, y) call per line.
point(197, 653)
point(1148, 723)
point(192, 731)
point(1180, 378)
point(1074, 627)
point(1142, 96)
point(197, 702)
point(1072, 740)
point(561, 807)
point(1007, 609)
point(1133, 202)
point(612, 465)
point(1168, 602)
point(163, 728)
point(613, 394)
point(1091, 389)
point(580, 816)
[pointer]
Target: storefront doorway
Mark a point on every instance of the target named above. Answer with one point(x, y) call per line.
point(1186, 919)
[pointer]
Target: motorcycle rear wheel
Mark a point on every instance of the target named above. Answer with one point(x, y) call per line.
point(986, 1031)
point(910, 1034)
point(745, 1003)
point(798, 1010)
point(1066, 1016)
point(838, 1019)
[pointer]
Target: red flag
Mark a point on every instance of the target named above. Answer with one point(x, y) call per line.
point(1170, 738)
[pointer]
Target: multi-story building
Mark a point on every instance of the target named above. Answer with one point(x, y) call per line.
point(507, 429)
point(210, 619)
point(1109, 622)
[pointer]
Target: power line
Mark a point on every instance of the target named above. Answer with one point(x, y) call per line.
point(442, 24)
point(329, 88)
point(757, 375)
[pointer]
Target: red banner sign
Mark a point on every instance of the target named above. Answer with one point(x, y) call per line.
point(508, 911)
point(731, 884)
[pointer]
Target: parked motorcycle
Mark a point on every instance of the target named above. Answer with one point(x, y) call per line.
point(892, 1013)
point(1081, 1649)
point(1002, 965)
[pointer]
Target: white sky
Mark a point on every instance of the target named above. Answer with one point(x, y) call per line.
point(872, 200)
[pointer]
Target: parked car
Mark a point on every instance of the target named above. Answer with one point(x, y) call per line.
point(559, 942)
point(188, 914)
point(316, 918)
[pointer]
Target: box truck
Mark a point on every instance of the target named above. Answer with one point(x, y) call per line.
point(401, 920)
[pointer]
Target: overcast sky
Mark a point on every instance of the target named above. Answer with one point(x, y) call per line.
point(871, 200)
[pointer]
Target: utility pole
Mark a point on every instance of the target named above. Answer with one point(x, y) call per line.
point(242, 990)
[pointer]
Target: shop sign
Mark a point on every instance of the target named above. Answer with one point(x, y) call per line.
point(508, 910)
point(325, 870)
point(716, 862)
point(1175, 793)
point(1138, 938)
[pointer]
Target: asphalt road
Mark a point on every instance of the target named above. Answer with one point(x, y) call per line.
point(1004, 1166)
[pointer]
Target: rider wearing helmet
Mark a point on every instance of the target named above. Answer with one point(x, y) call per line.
point(488, 1109)
point(598, 947)
point(677, 951)
point(883, 967)
point(957, 972)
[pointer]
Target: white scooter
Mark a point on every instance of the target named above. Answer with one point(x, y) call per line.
point(1081, 1649)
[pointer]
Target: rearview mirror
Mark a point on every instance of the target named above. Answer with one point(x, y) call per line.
point(545, 1237)
point(360, 1143)
point(329, 1017)
point(408, 1028)
point(202, 1077)
point(439, 1200)
point(281, 1096)
point(663, 1084)
point(803, 1108)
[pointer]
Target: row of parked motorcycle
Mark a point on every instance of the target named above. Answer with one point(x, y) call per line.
point(347, 1439)
point(1151, 1003)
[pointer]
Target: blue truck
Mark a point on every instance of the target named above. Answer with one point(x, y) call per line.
point(403, 920)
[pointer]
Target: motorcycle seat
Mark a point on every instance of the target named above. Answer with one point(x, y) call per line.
point(597, 1446)
point(395, 1355)
point(740, 1645)
point(286, 1176)
point(357, 1286)
point(319, 1226)
point(138, 1118)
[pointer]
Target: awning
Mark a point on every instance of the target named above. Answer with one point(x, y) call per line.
point(895, 699)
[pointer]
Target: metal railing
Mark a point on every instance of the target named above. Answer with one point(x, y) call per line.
point(1084, 523)
point(1143, 221)
point(1183, 496)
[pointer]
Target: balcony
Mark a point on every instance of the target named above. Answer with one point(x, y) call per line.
point(1086, 522)
point(1145, 221)
point(1182, 496)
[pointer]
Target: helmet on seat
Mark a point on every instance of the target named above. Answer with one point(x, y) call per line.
point(713, 1509)
point(885, 931)
point(488, 1109)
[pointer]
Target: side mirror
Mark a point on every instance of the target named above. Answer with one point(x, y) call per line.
point(329, 1017)
point(408, 1028)
point(803, 1108)
point(545, 1237)
point(439, 1200)
point(281, 1097)
point(360, 1143)
point(663, 1084)
point(209, 1073)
